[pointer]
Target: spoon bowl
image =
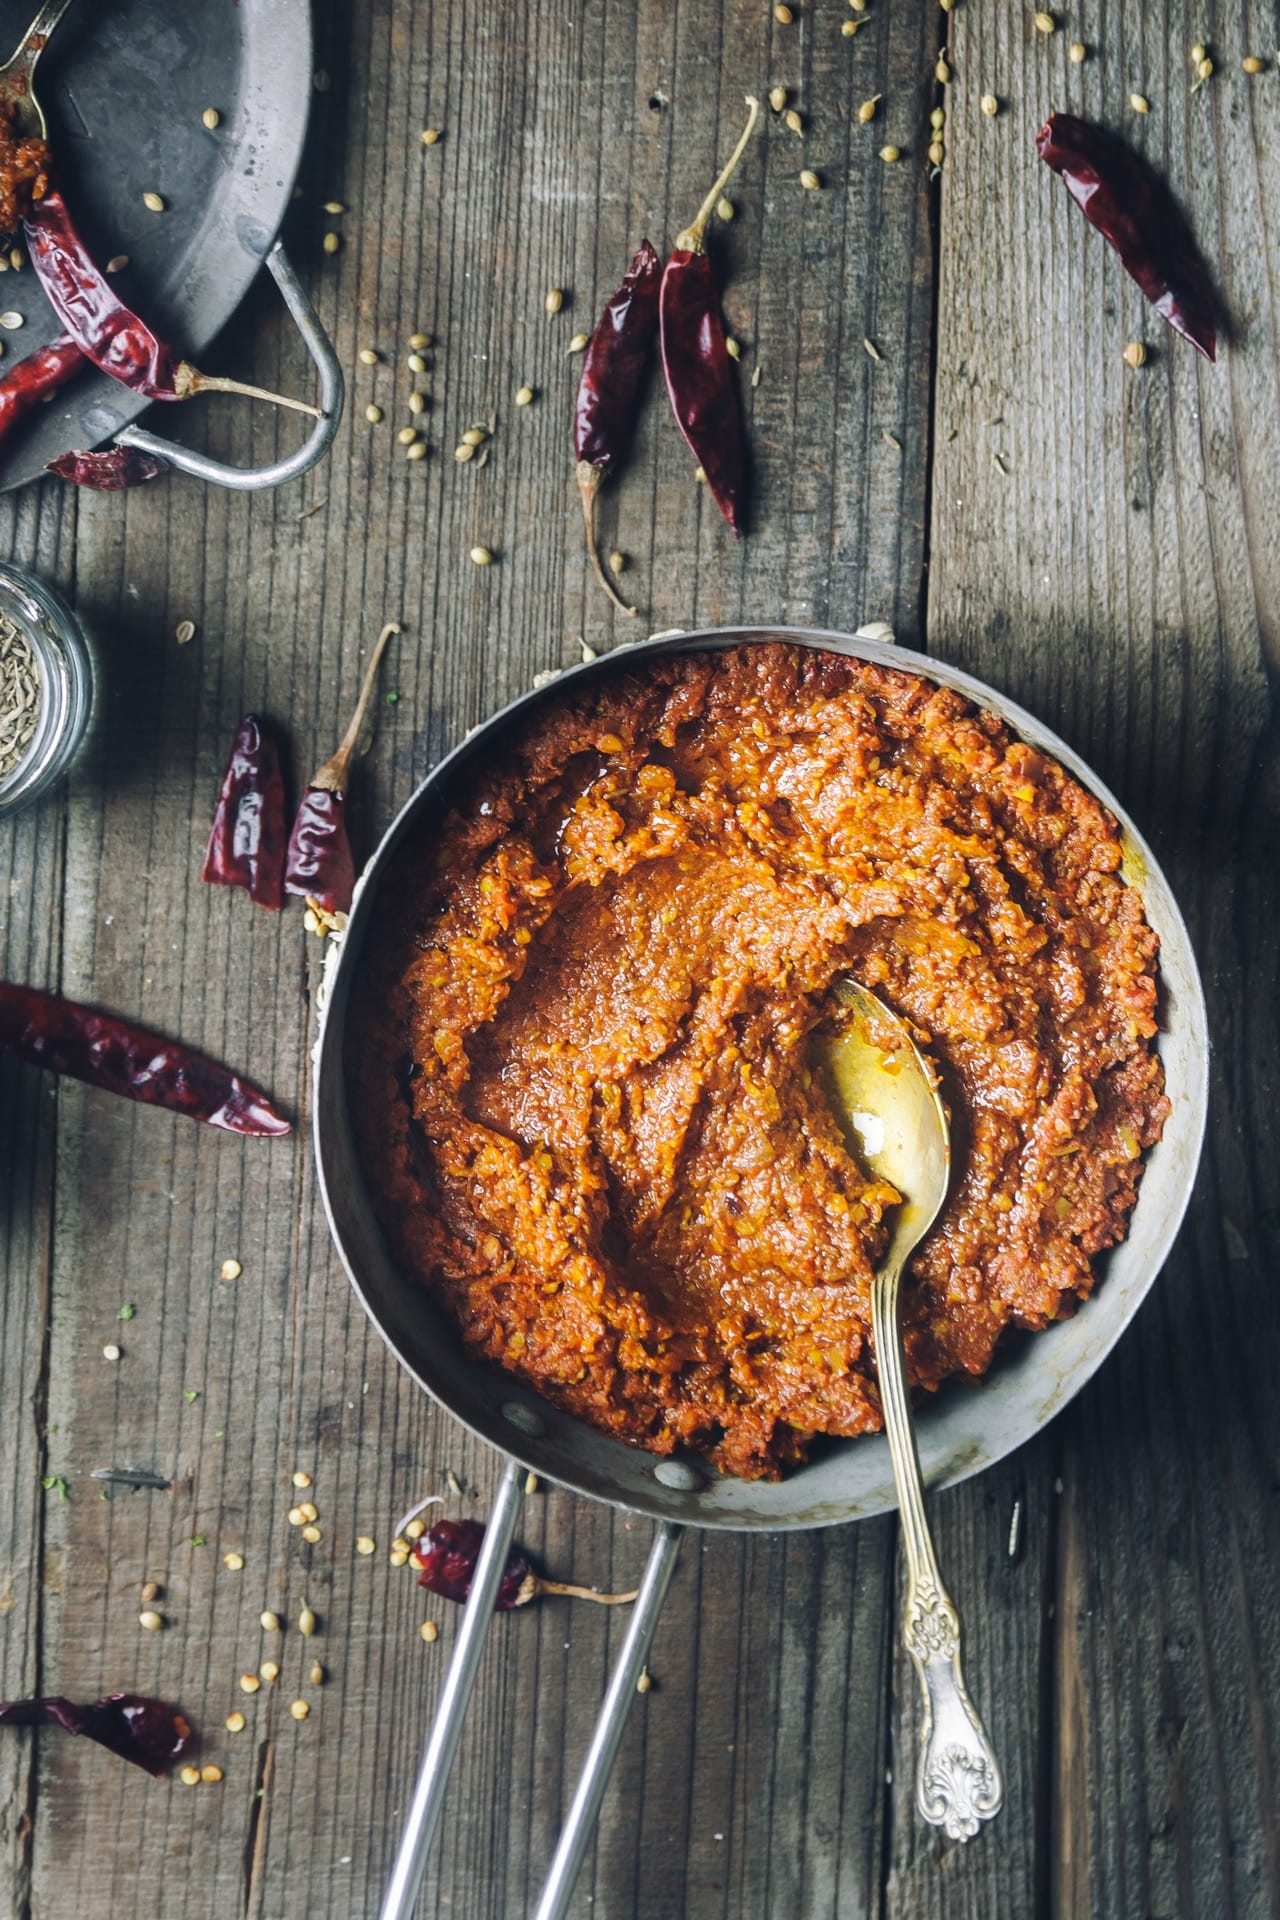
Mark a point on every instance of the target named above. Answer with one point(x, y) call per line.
point(885, 1095)
point(17, 75)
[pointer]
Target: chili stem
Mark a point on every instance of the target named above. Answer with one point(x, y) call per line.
point(690, 241)
point(584, 1593)
point(334, 774)
point(190, 380)
point(589, 479)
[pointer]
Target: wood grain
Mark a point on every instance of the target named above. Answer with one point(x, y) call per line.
point(1108, 571)
point(1100, 544)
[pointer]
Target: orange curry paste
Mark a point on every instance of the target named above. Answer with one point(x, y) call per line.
point(582, 1043)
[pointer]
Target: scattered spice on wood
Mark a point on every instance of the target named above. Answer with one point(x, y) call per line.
point(609, 388)
point(104, 1050)
point(150, 1733)
point(1120, 194)
point(246, 846)
point(447, 1559)
point(107, 332)
point(319, 863)
point(19, 695)
point(699, 372)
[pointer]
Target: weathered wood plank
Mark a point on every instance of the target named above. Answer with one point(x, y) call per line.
point(1110, 573)
point(36, 532)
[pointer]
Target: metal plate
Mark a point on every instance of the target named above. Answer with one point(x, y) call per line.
point(124, 84)
point(962, 1429)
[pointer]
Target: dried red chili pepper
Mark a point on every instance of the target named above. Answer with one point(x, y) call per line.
point(105, 330)
point(105, 1051)
point(31, 380)
point(695, 354)
point(247, 839)
point(110, 471)
point(613, 368)
point(319, 864)
point(448, 1556)
point(1132, 207)
point(148, 1732)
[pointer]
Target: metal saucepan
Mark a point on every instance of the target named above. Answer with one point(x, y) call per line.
point(958, 1433)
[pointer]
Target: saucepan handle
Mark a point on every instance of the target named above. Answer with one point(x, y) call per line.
point(607, 1738)
point(332, 393)
point(433, 1778)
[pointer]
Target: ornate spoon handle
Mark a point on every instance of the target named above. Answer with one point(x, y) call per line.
point(958, 1785)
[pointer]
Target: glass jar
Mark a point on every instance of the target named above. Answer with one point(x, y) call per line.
point(65, 702)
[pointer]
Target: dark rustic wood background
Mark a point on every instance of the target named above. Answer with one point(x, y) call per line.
point(1098, 542)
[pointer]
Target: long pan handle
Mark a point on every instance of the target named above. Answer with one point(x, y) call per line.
point(607, 1738)
point(428, 1795)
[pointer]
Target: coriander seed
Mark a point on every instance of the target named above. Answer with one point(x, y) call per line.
point(809, 180)
point(792, 120)
point(1135, 354)
point(373, 414)
point(368, 358)
point(524, 397)
point(990, 105)
point(1139, 103)
point(1045, 23)
point(553, 301)
point(1252, 64)
point(867, 111)
point(430, 136)
point(151, 1620)
point(153, 202)
point(332, 243)
point(890, 154)
point(777, 98)
point(212, 118)
point(1077, 53)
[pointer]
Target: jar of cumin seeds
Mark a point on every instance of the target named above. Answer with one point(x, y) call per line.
point(46, 688)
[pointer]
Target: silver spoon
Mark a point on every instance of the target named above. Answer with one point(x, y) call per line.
point(17, 75)
point(885, 1097)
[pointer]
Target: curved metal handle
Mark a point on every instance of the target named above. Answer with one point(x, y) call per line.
point(332, 394)
point(433, 1777)
point(607, 1738)
point(958, 1785)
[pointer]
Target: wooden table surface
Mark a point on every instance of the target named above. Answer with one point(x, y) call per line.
point(997, 484)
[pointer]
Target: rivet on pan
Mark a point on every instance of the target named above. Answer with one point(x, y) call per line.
point(679, 1475)
point(525, 1419)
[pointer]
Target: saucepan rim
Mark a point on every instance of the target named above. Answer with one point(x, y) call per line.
point(963, 1429)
